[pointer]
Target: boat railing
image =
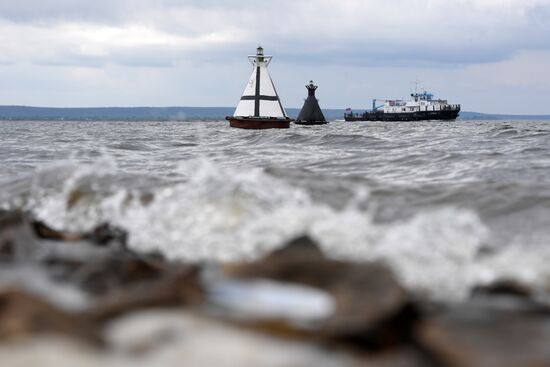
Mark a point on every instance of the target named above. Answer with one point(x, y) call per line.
point(361, 114)
point(452, 107)
point(449, 107)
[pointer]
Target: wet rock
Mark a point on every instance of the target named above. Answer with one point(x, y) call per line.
point(170, 285)
point(20, 235)
point(503, 287)
point(172, 338)
point(163, 337)
point(403, 356)
point(261, 299)
point(112, 279)
point(371, 307)
point(106, 233)
point(182, 338)
point(45, 232)
point(298, 248)
point(101, 235)
point(50, 351)
point(508, 296)
point(23, 314)
point(118, 282)
point(16, 236)
point(118, 272)
point(487, 336)
point(7, 250)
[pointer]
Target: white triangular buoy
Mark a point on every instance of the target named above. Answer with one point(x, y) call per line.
point(260, 106)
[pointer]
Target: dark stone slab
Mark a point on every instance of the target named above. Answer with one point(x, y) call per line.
point(22, 313)
point(507, 334)
point(371, 307)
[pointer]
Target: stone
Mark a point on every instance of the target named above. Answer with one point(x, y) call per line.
point(163, 337)
point(183, 338)
point(504, 287)
point(371, 307)
point(172, 285)
point(105, 234)
point(45, 232)
point(16, 238)
point(483, 336)
point(24, 314)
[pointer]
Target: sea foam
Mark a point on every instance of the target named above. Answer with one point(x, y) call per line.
point(236, 213)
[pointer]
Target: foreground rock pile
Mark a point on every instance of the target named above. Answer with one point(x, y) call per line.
point(70, 299)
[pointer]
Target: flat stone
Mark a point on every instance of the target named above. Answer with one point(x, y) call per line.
point(17, 239)
point(170, 285)
point(174, 338)
point(504, 287)
point(482, 336)
point(24, 314)
point(162, 337)
point(368, 298)
point(45, 232)
point(170, 336)
point(103, 234)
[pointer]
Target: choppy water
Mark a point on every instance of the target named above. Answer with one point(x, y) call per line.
point(447, 205)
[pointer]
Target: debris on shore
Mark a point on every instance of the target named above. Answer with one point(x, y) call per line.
point(71, 299)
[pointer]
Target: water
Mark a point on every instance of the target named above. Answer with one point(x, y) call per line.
point(448, 205)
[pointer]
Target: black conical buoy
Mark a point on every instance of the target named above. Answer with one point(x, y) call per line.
point(311, 113)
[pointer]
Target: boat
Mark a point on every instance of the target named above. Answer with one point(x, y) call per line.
point(260, 106)
point(423, 106)
point(311, 113)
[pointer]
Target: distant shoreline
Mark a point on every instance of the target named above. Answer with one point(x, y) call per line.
point(20, 113)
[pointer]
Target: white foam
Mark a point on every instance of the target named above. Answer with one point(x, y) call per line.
point(433, 253)
point(54, 185)
point(226, 214)
point(524, 265)
point(218, 214)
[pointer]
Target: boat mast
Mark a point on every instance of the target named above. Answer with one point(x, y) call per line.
point(415, 95)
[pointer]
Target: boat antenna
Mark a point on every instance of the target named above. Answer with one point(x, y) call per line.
point(415, 82)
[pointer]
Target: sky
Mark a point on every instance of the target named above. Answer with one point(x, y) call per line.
point(487, 55)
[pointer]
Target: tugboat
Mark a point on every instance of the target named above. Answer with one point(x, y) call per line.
point(260, 106)
point(422, 107)
point(311, 113)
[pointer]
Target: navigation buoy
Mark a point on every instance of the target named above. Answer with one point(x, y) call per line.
point(260, 106)
point(311, 113)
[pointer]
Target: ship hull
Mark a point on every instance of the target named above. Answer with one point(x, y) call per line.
point(310, 122)
point(258, 123)
point(404, 116)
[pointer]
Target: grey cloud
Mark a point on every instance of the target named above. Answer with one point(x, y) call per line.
point(48, 11)
point(99, 11)
point(137, 57)
point(143, 57)
point(310, 26)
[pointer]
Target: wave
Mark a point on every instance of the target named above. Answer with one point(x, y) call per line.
point(217, 213)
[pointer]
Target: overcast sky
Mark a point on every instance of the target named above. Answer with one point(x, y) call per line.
point(488, 55)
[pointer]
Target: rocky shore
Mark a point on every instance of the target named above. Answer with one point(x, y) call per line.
point(85, 299)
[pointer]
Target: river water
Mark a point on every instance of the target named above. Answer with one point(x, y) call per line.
point(447, 205)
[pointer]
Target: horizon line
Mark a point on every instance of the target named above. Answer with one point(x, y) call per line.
point(229, 107)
